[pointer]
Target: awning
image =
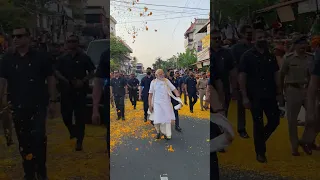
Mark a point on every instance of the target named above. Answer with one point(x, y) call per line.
point(278, 5)
point(205, 62)
point(204, 28)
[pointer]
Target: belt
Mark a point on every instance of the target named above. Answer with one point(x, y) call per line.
point(297, 85)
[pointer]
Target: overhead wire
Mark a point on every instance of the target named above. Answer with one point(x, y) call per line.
point(160, 5)
point(158, 19)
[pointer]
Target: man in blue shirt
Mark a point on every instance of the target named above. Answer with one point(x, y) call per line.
point(191, 90)
point(144, 92)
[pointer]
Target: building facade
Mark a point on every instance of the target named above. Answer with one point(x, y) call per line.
point(203, 50)
point(192, 37)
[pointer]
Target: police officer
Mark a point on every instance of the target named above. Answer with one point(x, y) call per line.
point(191, 90)
point(201, 86)
point(119, 90)
point(102, 75)
point(226, 67)
point(133, 84)
point(174, 81)
point(237, 51)
point(144, 92)
point(74, 70)
point(295, 76)
point(29, 75)
point(260, 88)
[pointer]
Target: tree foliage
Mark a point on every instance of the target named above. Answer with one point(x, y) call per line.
point(12, 16)
point(226, 10)
point(117, 52)
point(187, 58)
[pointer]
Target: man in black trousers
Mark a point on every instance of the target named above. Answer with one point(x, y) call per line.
point(191, 90)
point(144, 92)
point(175, 82)
point(102, 84)
point(29, 76)
point(259, 80)
point(237, 50)
point(133, 84)
point(74, 70)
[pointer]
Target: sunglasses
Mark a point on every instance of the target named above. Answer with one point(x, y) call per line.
point(18, 36)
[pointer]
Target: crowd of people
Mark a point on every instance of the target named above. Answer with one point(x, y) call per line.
point(158, 87)
point(262, 73)
point(31, 77)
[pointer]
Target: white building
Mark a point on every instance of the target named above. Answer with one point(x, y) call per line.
point(192, 37)
point(203, 49)
point(113, 23)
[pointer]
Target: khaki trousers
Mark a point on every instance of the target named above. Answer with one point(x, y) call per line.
point(202, 92)
point(296, 98)
point(164, 128)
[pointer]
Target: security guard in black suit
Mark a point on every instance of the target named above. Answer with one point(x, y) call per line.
point(175, 82)
point(133, 84)
point(191, 90)
point(119, 90)
point(144, 92)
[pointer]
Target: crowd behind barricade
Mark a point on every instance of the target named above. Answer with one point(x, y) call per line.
point(268, 72)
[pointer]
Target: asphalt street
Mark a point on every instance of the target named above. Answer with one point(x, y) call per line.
point(137, 159)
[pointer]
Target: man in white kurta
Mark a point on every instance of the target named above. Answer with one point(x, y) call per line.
point(161, 105)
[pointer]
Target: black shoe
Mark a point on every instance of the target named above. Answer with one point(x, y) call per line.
point(306, 148)
point(123, 118)
point(178, 129)
point(191, 111)
point(166, 138)
point(134, 107)
point(79, 146)
point(244, 135)
point(158, 136)
point(152, 123)
point(145, 119)
point(261, 158)
point(119, 117)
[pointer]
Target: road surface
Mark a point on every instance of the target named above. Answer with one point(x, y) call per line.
point(240, 156)
point(138, 155)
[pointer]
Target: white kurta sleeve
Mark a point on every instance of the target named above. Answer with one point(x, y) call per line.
point(171, 86)
point(151, 90)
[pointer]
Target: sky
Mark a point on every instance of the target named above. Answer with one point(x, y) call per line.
point(166, 26)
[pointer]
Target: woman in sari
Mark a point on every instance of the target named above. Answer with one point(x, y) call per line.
point(160, 106)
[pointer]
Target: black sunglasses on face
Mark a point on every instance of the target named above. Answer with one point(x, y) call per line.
point(18, 36)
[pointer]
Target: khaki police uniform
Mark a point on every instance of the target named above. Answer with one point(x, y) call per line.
point(201, 86)
point(296, 71)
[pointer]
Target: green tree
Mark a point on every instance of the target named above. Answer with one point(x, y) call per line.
point(226, 10)
point(117, 51)
point(187, 58)
point(12, 16)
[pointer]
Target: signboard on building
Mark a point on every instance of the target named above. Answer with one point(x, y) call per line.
point(205, 41)
point(308, 6)
point(203, 55)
